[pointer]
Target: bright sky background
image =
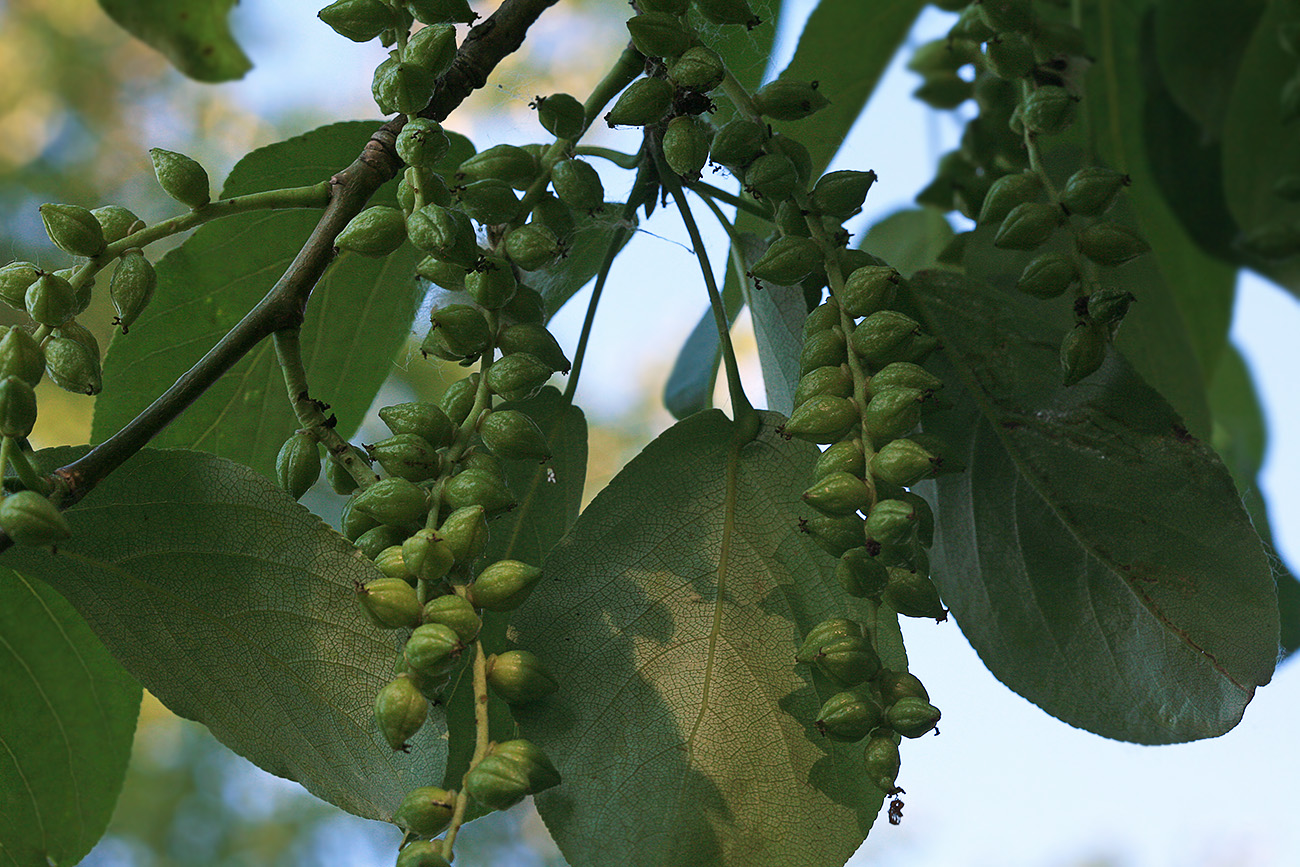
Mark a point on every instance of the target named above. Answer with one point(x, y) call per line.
point(1004, 784)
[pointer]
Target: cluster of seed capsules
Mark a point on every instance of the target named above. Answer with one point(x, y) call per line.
point(1028, 60)
point(55, 342)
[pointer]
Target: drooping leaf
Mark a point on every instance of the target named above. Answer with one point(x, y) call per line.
point(358, 316)
point(689, 388)
point(778, 314)
point(595, 232)
point(669, 615)
point(1095, 553)
point(66, 724)
point(235, 606)
point(193, 34)
point(1199, 45)
point(909, 240)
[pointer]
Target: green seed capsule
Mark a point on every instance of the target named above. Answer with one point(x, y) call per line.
point(645, 101)
point(891, 522)
point(903, 374)
point(824, 349)
point(897, 685)
point(787, 261)
point(1091, 190)
point(30, 519)
point(1109, 306)
point(887, 336)
point(532, 246)
point(463, 328)
point(892, 412)
point(1002, 16)
point(822, 419)
point(686, 145)
point(390, 603)
point(1082, 352)
point(841, 194)
point(796, 152)
point(699, 68)
point(833, 534)
point(432, 649)
point(1011, 57)
point(561, 115)
point(860, 574)
point(181, 178)
point(519, 677)
point(904, 462)
point(1027, 226)
point(433, 49)
point(1112, 244)
point(466, 531)
point(422, 853)
point(72, 366)
point(517, 376)
point(527, 307)
point(513, 436)
point(838, 493)
point(944, 92)
point(738, 143)
point(425, 420)
point(533, 339)
point(116, 222)
point(1049, 110)
point(970, 26)
point(503, 586)
point(297, 466)
point(913, 594)
point(537, 768)
point(376, 232)
point(912, 717)
point(358, 20)
point(406, 456)
point(492, 284)
point(21, 356)
point(846, 456)
point(17, 407)
point(425, 811)
point(789, 100)
point(445, 232)
point(659, 34)
point(401, 711)
point(497, 783)
point(15, 279)
point(834, 381)
point(578, 185)
point(73, 229)
point(392, 563)
point(1048, 275)
point(869, 289)
point(401, 88)
point(882, 762)
point(476, 488)
point(378, 539)
point(848, 661)
point(824, 633)
point(514, 165)
point(490, 202)
point(441, 11)
point(456, 613)
point(353, 523)
point(728, 12)
point(422, 143)
point(427, 555)
point(51, 300)
point(1006, 193)
point(393, 501)
point(822, 317)
point(458, 400)
point(132, 287)
point(771, 176)
point(848, 716)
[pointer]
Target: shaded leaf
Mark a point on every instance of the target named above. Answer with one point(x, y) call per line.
point(236, 607)
point(359, 315)
point(595, 232)
point(1095, 553)
point(778, 314)
point(909, 240)
point(193, 34)
point(689, 388)
point(66, 725)
point(1199, 45)
point(669, 615)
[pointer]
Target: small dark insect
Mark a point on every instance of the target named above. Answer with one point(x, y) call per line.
point(895, 812)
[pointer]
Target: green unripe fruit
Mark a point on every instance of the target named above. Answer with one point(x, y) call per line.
point(1008, 15)
point(378, 539)
point(503, 586)
point(789, 100)
point(1091, 190)
point(1048, 275)
point(1052, 39)
point(841, 194)
point(532, 246)
point(1109, 306)
point(848, 716)
point(456, 613)
point(422, 142)
point(517, 376)
point(848, 661)
point(533, 339)
point(1049, 110)
point(445, 274)
point(823, 316)
point(81, 293)
point(466, 532)
point(401, 88)
point(738, 143)
point(659, 34)
point(561, 115)
point(833, 534)
point(1006, 193)
point(73, 330)
point(433, 49)
point(21, 356)
point(771, 176)
point(578, 185)
point(132, 287)
point(822, 419)
point(514, 165)
point(924, 515)
point(406, 456)
point(686, 146)
point(887, 336)
point(944, 91)
point(699, 68)
point(51, 300)
point(1011, 57)
point(422, 853)
point(297, 466)
point(353, 523)
point(458, 400)
point(519, 677)
point(860, 574)
point(376, 232)
point(869, 289)
point(116, 222)
point(428, 183)
point(473, 487)
point(881, 761)
point(912, 717)
point(903, 374)
point(358, 20)
point(904, 462)
point(728, 12)
point(824, 633)
point(1082, 352)
point(538, 769)
point(891, 522)
point(401, 711)
point(913, 594)
point(1027, 226)
point(846, 456)
point(490, 202)
point(897, 685)
point(838, 493)
point(390, 603)
point(73, 229)
point(463, 328)
point(73, 366)
point(645, 101)
point(1112, 244)
point(892, 412)
point(432, 648)
point(15, 279)
point(30, 519)
point(556, 216)
point(391, 563)
point(497, 782)
point(971, 26)
point(441, 11)
point(941, 55)
point(425, 420)
point(181, 177)
point(834, 381)
point(17, 407)
point(393, 501)
point(427, 555)
point(790, 219)
point(788, 260)
point(445, 232)
point(425, 811)
point(824, 349)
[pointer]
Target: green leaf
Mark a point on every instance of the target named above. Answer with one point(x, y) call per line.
point(909, 240)
point(845, 47)
point(550, 497)
point(689, 388)
point(670, 615)
point(1199, 45)
point(1095, 553)
point(235, 606)
point(359, 315)
point(747, 52)
point(66, 725)
point(588, 249)
point(193, 34)
point(778, 314)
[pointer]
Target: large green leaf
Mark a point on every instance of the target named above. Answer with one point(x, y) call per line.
point(669, 615)
point(193, 34)
point(1095, 553)
point(1199, 45)
point(236, 607)
point(66, 724)
point(909, 240)
point(359, 314)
